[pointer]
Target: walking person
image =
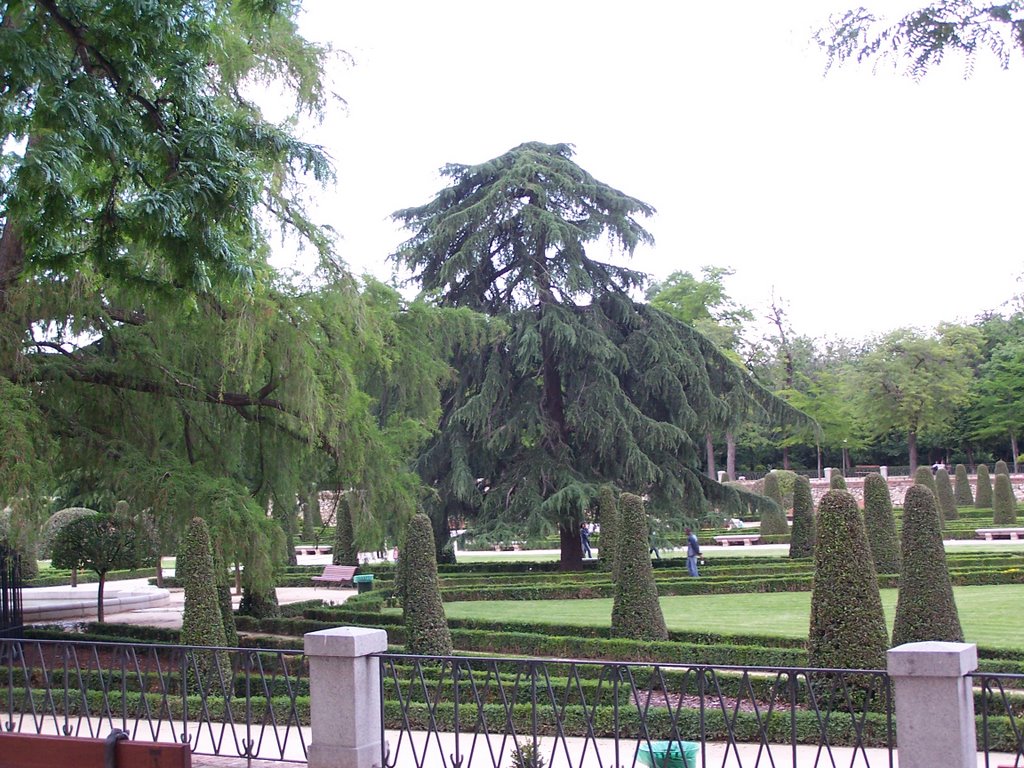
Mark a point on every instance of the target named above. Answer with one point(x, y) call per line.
point(653, 541)
point(585, 540)
point(692, 552)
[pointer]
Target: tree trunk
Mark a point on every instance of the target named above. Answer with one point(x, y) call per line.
point(730, 455)
point(159, 572)
point(74, 577)
point(785, 457)
point(709, 445)
point(99, 598)
point(821, 470)
point(238, 578)
point(571, 549)
point(1013, 449)
point(912, 447)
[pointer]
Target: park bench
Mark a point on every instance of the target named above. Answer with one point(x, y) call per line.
point(988, 534)
point(335, 574)
point(31, 750)
point(318, 550)
point(746, 538)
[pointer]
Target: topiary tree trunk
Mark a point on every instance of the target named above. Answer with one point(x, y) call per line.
point(426, 628)
point(636, 612)
point(925, 609)
point(944, 496)
point(847, 628)
point(801, 542)
point(983, 493)
point(962, 487)
point(608, 518)
point(880, 525)
point(344, 537)
point(923, 476)
point(1004, 504)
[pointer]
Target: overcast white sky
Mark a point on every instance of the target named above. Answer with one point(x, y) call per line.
point(863, 200)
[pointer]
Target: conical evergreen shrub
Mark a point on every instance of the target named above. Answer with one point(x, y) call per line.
point(608, 519)
point(801, 541)
point(426, 629)
point(345, 552)
point(772, 489)
point(1004, 504)
point(944, 496)
point(923, 476)
point(847, 628)
point(1002, 468)
point(962, 487)
point(925, 609)
point(880, 524)
point(201, 622)
point(983, 493)
point(636, 612)
point(836, 481)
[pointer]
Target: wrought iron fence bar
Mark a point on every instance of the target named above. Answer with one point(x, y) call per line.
point(1002, 723)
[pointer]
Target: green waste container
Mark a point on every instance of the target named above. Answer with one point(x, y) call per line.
point(666, 754)
point(363, 582)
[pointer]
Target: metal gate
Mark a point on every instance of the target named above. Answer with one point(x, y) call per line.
point(11, 623)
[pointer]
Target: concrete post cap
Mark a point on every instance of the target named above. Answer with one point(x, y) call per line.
point(932, 659)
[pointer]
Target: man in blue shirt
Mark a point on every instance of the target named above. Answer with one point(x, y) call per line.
point(692, 552)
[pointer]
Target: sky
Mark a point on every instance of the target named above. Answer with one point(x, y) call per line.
point(858, 200)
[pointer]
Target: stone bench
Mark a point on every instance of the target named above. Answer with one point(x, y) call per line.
point(988, 534)
point(746, 538)
point(320, 550)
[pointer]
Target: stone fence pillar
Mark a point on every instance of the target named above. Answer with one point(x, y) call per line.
point(934, 704)
point(344, 696)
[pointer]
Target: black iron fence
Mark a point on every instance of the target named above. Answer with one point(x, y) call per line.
point(221, 701)
point(10, 593)
point(999, 705)
point(529, 713)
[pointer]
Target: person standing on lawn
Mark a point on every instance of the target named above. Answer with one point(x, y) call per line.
point(585, 540)
point(692, 552)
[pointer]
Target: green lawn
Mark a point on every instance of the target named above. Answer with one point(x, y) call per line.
point(992, 616)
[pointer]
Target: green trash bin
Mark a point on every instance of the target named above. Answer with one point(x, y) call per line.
point(363, 582)
point(666, 754)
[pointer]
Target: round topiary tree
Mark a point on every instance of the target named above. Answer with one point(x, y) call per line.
point(983, 493)
point(880, 525)
point(944, 496)
point(925, 609)
point(923, 476)
point(201, 622)
point(962, 487)
point(345, 552)
point(1004, 504)
point(426, 629)
point(1002, 468)
point(636, 612)
point(847, 628)
point(608, 519)
point(836, 482)
point(801, 541)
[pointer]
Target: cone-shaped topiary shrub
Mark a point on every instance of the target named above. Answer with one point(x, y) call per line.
point(773, 518)
point(426, 629)
point(1002, 468)
point(924, 609)
point(944, 496)
point(923, 476)
point(636, 612)
point(836, 482)
point(962, 487)
point(772, 489)
point(1004, 504)
point(880, 525)
point(345, 552)
point(608, 519)
point(227, 612)
point(847, 624)
point(983, 494)
point(801, 541)
point(201, 623)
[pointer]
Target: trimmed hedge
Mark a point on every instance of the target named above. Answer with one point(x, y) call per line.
point(880, 525)
point(944, 496)
point(804, 532)
point(983, 494)
point(426, 629)
point(1004, 504)
point(962, 487)
point(636, 612)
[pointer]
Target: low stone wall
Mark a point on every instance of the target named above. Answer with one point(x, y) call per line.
point(897, 487)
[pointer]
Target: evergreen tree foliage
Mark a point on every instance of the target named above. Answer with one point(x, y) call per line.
point(881, 525)
point(772, 489)
point(836, 481)
point(847, 629)
point(579, 384)
point(944, 495)
point(925, 609)
point(608, 518)
point(636, 612)
point(983, 495)
point(962, 487)
point(1004, 503)
point(426, 629)
point(923, 476)
point(201, 621)
point(1002, 468)
point(258, 601)
point(804, 531)
point(345, 552)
